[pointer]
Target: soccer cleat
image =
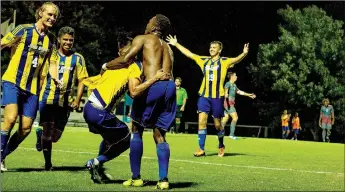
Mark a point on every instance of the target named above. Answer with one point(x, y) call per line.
point(96, 176)
point(3, 168)
point(221, 151)
point(133, 183)
point(199, 153)
point(39, 136)
point(48, 167)
point(233, 137)
point(163, 185)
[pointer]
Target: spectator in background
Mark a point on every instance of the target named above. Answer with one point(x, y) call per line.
point(296, 126)
point(326, 119)
point(285, 124)
point(181, 100)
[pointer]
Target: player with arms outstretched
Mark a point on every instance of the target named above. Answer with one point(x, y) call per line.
point(156, 107)
point(214, 68)
point(35, 51)
point(54, 105)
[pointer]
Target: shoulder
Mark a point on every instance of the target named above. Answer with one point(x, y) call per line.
point(78, 55)
point(26, 26)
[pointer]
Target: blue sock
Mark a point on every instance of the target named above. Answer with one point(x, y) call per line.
point(101, 149)
point(135, 154)
point(221, 138)
point(163, 154)
point(102, 159)
point(202, 137)
point(4, 139)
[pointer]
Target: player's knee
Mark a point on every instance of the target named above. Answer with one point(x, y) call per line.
point(159, 135)
point(218, 125)
point(56, 136)
point(11, 118)
point(235, 118)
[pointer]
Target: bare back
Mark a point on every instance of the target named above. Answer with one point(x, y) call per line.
point(156, 56)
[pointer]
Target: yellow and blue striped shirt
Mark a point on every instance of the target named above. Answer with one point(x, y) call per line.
point(25, 67)
point(71, 68)
point(214, 75)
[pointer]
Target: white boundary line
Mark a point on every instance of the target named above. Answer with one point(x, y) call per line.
point(208, 163)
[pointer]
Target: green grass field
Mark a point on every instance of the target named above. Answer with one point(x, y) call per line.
point(249, 164)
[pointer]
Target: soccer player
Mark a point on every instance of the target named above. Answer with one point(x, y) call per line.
point(285, 124)
point(21, 81)
point(156, 107)
point(229, 103)
point(326, 119)
point(107, 92)
point(296, 126)
point(54, 105)
point(181, 101)
point(214, 68)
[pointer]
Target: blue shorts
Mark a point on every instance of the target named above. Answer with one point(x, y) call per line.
point(26, 101)
point(285, 128)
point(105, 123)
point(54, 114)
point(211, 105)
point(296, 131)
point(156, 107)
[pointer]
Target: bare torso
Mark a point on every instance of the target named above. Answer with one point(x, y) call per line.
point(156, 56)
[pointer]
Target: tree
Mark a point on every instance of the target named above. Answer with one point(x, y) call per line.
point(304, 66)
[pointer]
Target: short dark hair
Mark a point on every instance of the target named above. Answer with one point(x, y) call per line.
point(230, 73)
point(219, 43)
point(66, 30)
point(163, 23)
point(123, 39)
point(179, 78)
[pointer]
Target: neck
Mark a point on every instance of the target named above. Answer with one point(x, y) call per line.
point(64, 52)
point(215, 58)
point(232, 81)
point(40, 27)
point(177, 87)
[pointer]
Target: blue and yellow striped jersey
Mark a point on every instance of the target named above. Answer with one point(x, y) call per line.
point(71, 68)
point(25, 67)
point(214, 75)
point(113, 84)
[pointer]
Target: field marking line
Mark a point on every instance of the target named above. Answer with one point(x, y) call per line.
point(207, 163)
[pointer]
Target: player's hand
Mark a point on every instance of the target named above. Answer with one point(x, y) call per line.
point(58, 83)
point(332, 122)
point(75, 105)
point(246, 48)
point(161, 75)
point(319, 124)
point(102, 71)
point(252, 95)
point(182, 108)
point(171, 40)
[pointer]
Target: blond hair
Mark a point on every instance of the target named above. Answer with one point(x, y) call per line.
point(43, 7)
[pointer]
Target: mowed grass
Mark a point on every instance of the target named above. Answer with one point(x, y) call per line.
point(249, 164)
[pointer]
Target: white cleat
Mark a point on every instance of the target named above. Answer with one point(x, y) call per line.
point(233, 137)
point(3, 168)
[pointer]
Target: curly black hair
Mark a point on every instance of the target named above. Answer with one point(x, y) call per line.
point(164, 24)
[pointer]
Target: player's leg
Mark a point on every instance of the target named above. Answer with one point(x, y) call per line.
point(234, 119)
point(204, 107)
point(328, 132)
point(283, 132)
point(10, 101)
point(287, 132)
point(225, 119)
point(27, 115)
point(39, 132)
point(217, 114)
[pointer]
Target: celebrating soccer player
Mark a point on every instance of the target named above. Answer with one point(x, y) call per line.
point(156, 107)
point(54, 106)
point(107, 90)
point(211, 91)
point(285, 118)
point(229, 103)
point(21, 80)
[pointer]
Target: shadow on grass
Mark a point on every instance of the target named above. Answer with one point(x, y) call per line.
point(61, 168)
point(154, 183)
point(225, 154)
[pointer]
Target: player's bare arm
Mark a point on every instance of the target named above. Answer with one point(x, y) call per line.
point(75, 104)
point(127, 59)
point(251, 95)
point(136, 87)
point(173, 41)
point(333, 118)
point(239, 58)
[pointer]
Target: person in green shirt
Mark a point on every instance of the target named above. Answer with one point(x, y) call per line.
point(181, 100)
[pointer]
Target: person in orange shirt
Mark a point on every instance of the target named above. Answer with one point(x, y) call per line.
point(285, 124)
point(296, 126)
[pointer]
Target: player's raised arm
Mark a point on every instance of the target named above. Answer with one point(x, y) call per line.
point(239, 58)
point(173, 41)
point(126, 59)
point(135, 88)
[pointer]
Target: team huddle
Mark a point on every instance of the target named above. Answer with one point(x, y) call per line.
point(41, 77)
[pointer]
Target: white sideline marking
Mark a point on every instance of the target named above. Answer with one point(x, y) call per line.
point(206, 163)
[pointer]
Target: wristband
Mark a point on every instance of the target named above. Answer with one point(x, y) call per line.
point(104, 67)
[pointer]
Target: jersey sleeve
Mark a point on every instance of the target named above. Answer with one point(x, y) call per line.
point(53, 57)
point(91, 80)
point(227, 85)
point(12, 37)
point(200, 60)
point(227, 62)
point(81, 68)
point(134, 72)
